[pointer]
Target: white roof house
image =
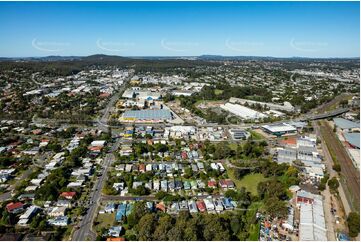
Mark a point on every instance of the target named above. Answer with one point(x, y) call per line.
point(57, 211)
point(98, 143)
point(29, 212)
point(148, 167)
point(209, 204)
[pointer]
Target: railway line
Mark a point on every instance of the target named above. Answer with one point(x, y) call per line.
point(348, 171)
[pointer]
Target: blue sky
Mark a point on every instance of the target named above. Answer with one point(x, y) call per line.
point(280, 29)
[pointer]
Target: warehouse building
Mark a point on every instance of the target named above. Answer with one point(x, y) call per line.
point(242, 111)
point(345, 124)
point(145, 116)
point(279, 129)
point(136, 92)
point(312, 221)
point(353, 139)
point(285, 107)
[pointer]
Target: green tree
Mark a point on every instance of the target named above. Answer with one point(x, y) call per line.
point(215, 228)
point(333, 184)
point(272, 188)
point(138, 212)
point(164, 225)
point(353, 222)
point(161, 195)
point(276, 207)
point(146, 226)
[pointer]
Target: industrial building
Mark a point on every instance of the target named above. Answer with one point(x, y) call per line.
point(242, 111)
point(312, 221)
point(136, 92)
point(345, 124)
point(155, 115)
point(279, 129)
point(285, 107)
point(353, 139)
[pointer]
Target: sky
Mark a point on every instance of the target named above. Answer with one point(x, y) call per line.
point(278, 29)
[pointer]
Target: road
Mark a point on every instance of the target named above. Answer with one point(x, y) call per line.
point(85, 227)
point(101, 123)
point(147, 198)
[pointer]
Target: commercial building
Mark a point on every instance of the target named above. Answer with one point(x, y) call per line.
point(136, 92)
point(279, 129)
point(156, 115)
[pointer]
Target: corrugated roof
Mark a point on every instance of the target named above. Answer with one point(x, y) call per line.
point(345, 124)
point(148, 114)
point(353, 139)
point(312, 221)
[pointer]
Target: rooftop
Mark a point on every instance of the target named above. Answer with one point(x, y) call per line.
point(353, 139)
point(148, 114)
point(345, 124)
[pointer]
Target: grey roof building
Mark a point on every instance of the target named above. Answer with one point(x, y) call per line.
point(353, 139)
point(345, 124)
point(148, 115)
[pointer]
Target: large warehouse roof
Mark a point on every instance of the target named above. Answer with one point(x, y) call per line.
point(157, 114)
point(345, 124)
point(353, 139)
point(312, 221)
point(242, 111)
point(275, 128)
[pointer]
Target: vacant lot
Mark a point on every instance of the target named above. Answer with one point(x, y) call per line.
point(105, 220)
point(250, 181)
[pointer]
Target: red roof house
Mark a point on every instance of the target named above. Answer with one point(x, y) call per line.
point(160, 206)
point(201, 206)
point(14, 207)
point(141, 167)
point(68, 195)
point(212, 183)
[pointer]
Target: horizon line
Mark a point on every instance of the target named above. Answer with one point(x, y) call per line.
point(169, 56)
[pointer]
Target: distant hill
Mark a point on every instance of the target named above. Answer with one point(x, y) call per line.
point(59, 65)
point(65, 65)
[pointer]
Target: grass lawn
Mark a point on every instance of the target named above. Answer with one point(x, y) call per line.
point(254, 232)
point(105, 220)
point(218, 91)
point(256, 136)
point(233, 146)
point(250, 181)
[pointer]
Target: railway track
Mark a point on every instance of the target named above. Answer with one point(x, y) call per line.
point(348, 171)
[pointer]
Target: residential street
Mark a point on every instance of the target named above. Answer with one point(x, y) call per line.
point(85, 227)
